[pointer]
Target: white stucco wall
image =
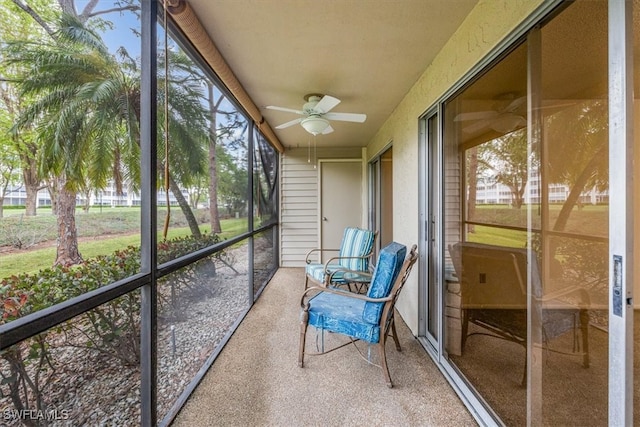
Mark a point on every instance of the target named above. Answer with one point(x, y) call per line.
point(488, 23)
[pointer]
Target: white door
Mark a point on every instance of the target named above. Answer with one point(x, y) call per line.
point(340, 200)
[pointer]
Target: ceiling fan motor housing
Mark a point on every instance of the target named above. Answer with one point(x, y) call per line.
point(310, 106)
point(317, 112)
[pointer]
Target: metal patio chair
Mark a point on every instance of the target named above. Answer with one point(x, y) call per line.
point(493, 292)
point(368, 318)
point(354, 255)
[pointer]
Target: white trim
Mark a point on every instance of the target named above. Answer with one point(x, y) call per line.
point(620, 212)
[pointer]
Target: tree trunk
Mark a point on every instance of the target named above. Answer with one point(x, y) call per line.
point(577, 189)
point(473, 187)
point(87, 201)
point(31, 186)
point(213, 173)
point(52, 187)
point(2, 207)
point(517, 195)
point(213, 189)
point(67, 252)
point(186, 209)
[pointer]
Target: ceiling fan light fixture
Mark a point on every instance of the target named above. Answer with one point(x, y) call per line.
point(315, 125)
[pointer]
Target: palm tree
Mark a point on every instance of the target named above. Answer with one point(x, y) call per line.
point(74, 82)
point(87, 112)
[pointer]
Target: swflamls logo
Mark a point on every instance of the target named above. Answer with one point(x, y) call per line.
point(35, 414)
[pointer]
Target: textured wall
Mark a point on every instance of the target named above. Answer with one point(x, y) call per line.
point(488, 23)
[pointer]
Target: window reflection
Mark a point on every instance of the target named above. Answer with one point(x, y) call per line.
point(526, 229)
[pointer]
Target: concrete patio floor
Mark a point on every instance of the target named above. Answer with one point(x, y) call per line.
point(256, 381)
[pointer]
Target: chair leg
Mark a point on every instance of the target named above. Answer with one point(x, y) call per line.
point(395, 334)
point(465, 329)
point(584, 328)
point(383, 362)
point(304, 321)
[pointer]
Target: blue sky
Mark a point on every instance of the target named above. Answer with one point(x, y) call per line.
point(124, 24)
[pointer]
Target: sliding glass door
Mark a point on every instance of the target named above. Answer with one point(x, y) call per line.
point(525, 235)
point(381, 207)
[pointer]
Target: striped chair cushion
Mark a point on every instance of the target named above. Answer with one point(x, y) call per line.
point(356, 242)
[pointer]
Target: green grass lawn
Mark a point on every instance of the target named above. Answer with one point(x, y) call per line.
point(498, 236)
point(104, 231)
point(100, 234)
point(590, 219)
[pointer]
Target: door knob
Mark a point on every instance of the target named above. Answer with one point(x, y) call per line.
point(324, 218)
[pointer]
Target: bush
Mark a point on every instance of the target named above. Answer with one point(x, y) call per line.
point(21, 234)
point(112, 328)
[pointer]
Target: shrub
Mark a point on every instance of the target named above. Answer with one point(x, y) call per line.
point(112, 328)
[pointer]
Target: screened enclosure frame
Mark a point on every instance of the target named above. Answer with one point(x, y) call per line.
point(21, 329)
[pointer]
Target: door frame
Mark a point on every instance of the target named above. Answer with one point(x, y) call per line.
point(362, 192)
point(375, 196)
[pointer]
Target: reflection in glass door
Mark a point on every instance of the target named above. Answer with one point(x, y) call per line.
point(526, 233)
point(487, 233)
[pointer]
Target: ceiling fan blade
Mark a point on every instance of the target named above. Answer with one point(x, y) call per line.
point(288, 110)
point(329, 129)
point(515, 104)
point(508, 122)
point(290, 123)
point(476, 115)
point(326, 104)
point(479, 125)
point(346, 117)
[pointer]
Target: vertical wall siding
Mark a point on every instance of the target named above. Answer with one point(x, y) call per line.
point(299, 202)
point(452, 197)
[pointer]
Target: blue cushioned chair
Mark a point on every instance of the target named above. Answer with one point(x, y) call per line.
point(354, 255)
point(367, 317)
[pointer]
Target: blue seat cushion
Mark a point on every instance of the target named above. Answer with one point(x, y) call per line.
point(337, 312)
point(316, 271)
point(356, 242)
point(341, 314)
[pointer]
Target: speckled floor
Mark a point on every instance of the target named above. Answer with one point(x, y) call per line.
point(256, 381)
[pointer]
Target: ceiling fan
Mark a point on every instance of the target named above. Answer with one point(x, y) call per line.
point(501, 120)
point(316, 112)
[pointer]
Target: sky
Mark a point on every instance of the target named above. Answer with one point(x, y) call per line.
point(124, 24)
point(125, 32)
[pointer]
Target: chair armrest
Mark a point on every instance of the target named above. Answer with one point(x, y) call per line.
point(337, 258)
point(582, 294)
point(347, 294)
point(308, 261)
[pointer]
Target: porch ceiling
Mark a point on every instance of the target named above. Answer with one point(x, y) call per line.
point(368, 53)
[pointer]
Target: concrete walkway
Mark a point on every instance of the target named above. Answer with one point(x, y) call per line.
point(256, 381)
